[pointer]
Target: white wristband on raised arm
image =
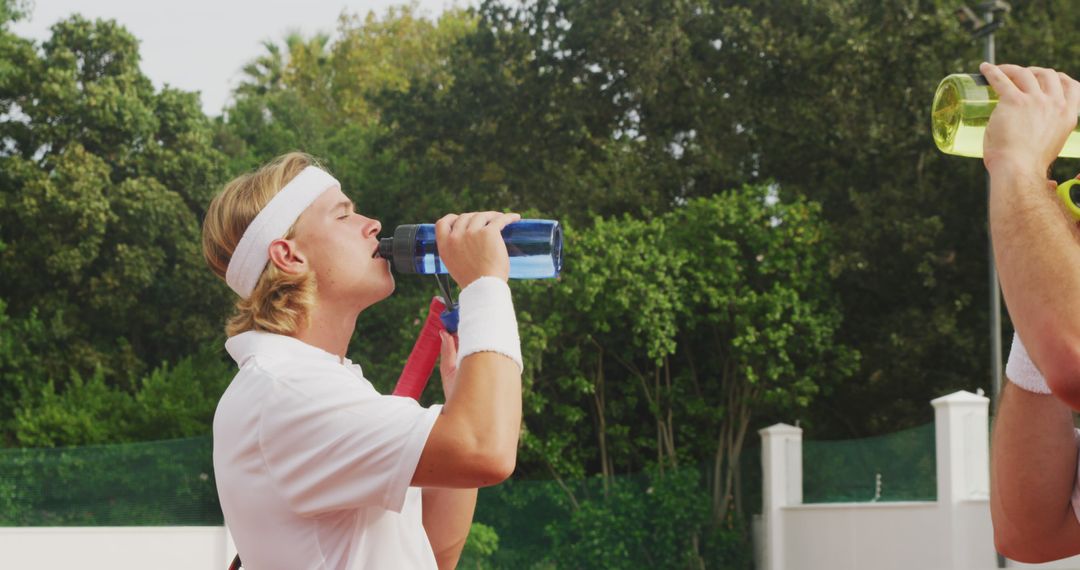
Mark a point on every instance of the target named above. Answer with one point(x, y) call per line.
point(1020, 370)
point(487, 322)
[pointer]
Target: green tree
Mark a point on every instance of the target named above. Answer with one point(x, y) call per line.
point(665, 338)
point(266, 73)
point(21, 340)
point(836, 110)
point(12, 11)
point(103, 182)
point(583, 108)
point(392, 54)
point(172, 401)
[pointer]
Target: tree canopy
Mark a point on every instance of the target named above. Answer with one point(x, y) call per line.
point(759, 227)
point(105, 181)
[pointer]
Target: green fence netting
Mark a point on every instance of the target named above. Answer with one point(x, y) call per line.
point(650, 519)
point(653, 518)
point(535, 524)
point(137, 484)
point(900, 466)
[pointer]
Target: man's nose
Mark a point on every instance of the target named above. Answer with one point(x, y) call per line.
point(374, 228)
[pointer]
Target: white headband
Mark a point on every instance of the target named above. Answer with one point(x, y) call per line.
point(251, 254)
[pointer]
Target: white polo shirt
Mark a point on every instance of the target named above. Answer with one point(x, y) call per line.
point(313, 465)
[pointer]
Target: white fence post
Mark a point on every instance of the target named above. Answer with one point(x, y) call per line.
point(781, 469)
point(963, 474)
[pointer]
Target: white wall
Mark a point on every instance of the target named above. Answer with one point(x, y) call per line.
point(116, 548)
point(1067, 564)
point(952, 533)
point(847, 537)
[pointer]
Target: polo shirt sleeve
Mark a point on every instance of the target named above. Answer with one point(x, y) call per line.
point(345, 450)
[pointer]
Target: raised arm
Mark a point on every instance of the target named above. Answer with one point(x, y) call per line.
point(1036, 246)
point(474, 442)
point(1037, 249)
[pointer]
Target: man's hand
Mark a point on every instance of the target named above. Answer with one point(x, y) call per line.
point(448, 363)
point(471, 245)
point(474, 440)
point(1036, 111)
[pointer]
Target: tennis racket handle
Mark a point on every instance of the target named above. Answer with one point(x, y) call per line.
point(425, 351)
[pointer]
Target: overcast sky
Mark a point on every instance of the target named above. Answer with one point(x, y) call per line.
point(201, 45)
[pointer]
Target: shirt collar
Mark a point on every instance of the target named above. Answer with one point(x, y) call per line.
point(246, 345)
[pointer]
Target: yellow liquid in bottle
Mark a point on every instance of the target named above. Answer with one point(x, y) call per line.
point(962, 107)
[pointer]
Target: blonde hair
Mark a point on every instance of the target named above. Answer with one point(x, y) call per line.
point(280, 302)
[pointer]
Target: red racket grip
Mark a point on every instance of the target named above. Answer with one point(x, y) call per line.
point(421, 361)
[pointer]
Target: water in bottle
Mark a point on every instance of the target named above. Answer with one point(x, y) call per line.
point(961, 111)
point(535, 248)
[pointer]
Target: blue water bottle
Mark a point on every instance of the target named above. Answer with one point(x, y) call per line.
point(535, 248)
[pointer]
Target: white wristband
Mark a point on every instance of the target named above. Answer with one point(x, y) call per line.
point(1020, 370)
point(487, 322)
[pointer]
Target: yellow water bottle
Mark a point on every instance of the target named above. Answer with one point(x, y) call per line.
point(962, 107)
point(1069, 192)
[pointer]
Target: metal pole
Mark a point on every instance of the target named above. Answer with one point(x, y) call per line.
point(995, 288)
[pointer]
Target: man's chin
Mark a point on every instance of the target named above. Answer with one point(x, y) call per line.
point(386, 289)
point(371, 297)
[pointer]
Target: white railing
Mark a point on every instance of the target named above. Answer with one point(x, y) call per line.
point(952, 533)
point(116, 548)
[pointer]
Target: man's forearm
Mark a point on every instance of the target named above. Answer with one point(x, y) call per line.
point(1033, 470)
point(1038, 260)
point(448, 515)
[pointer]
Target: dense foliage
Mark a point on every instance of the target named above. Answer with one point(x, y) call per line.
point(104, 183)
point(759, 229)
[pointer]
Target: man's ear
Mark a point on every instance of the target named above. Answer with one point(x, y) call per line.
point(287, 256)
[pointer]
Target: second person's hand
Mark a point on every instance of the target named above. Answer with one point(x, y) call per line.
point(1037, 109)
point(471, 245)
